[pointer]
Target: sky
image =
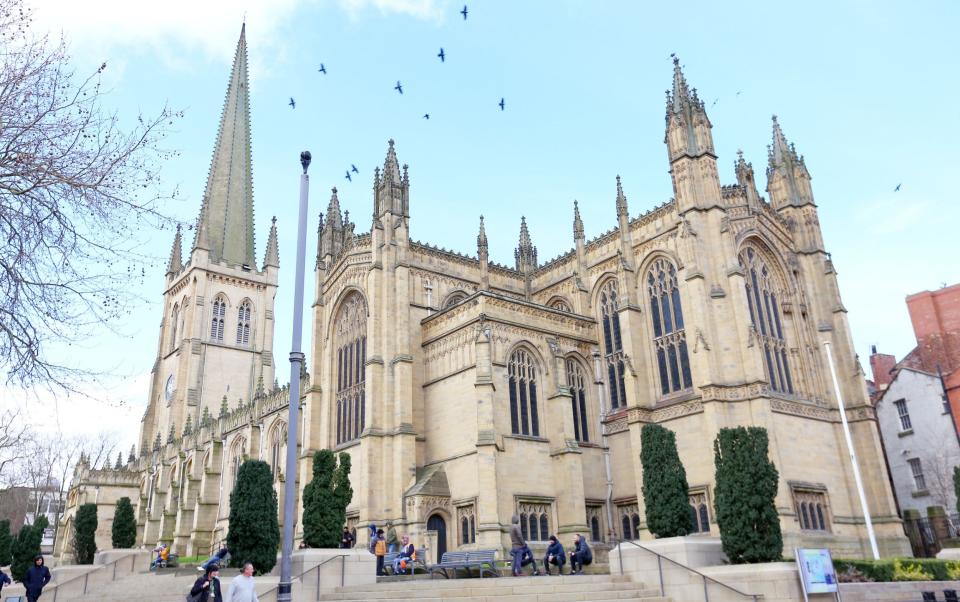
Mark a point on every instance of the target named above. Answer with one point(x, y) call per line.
point(865, 89)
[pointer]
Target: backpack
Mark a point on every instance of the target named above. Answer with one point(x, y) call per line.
point(381, 548)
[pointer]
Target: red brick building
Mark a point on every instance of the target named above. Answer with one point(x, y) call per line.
point(936, 324)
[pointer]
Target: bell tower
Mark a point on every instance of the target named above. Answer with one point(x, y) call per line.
point(216, 334)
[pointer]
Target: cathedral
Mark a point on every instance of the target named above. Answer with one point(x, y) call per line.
point(466, 391)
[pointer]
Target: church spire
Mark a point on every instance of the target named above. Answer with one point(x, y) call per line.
point(272, 256)
point(688, 127)
point(482, 247)
point(621, 200)
point(788, 181)
point(526, 253)
point(176, 262)
point(391, 187)
point(226, 216)
point(577, 223)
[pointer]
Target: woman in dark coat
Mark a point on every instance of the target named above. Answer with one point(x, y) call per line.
point(207, 588)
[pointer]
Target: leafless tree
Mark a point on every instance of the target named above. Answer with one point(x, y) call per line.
point(15, 438)
point(77, 192)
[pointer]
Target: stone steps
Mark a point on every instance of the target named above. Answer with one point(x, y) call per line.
point(171, 586)
point(574, 588)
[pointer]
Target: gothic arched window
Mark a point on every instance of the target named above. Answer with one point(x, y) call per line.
point(351, 336)
point(577, 381)
point(522, 370)
point(561, 305)
point(594, 528)
point(669, 337)
point(237, 453)
point(613, 343)
point(174, 322)
point(763, 298)
point(216, 323)
point(243, 324)
point(454, 298)
point(278, 445)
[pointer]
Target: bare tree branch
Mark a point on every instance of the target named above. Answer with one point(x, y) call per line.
point(76, 190)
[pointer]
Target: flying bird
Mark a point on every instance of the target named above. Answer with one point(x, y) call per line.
point(714, 102)
point(292, 103)
point(897, 189)
point(464, 12)
point(426, 115)
point(442, 55)
point(738, 92)
point(348, 177)
point(500, 104)
point(322, 69)
point(353, 168)
point(398, 87)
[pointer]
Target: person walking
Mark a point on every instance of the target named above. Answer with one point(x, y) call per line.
point(373, 537)
point(555, 555)
point(242, 587)
point(580, 556)
point(207, 587)
point(36, 578)
point(219, 558)
point(393, 542)
point(379, 550)
point(404, 559)
point(346, 539)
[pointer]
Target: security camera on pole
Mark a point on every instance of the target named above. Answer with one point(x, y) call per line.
point(296, 366)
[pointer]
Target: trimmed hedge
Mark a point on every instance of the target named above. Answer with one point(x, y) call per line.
point(898, 569)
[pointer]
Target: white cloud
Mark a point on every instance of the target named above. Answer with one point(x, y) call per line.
point(432, 10)
point(178, 30)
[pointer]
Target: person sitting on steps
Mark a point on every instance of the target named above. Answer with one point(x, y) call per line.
point(581, 555)
point(555, 555)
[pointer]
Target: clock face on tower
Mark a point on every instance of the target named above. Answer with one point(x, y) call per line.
point(170, 387)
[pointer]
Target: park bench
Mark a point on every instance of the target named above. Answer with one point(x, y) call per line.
point(483, 560)
point(417, 562)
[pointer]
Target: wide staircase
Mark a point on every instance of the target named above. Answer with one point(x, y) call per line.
point(567, 588)
point(162, 586)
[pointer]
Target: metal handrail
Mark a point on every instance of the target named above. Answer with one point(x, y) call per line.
point(86, 576)
point(316, 567)
point(661, 558)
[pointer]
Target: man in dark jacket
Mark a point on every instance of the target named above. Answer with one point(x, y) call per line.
point(520, 553)
point(580, 556)
point(555, 555)
point(207, 587)
point(346, 539)
point(37, 577)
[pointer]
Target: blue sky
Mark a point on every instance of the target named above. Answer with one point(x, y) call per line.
point(866, 90)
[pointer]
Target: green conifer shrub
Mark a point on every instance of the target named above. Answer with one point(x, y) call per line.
point(6, 541)
point(254, 533)
point(85, 534)
point(124, 530)
point(665, 490)
point(746, 485)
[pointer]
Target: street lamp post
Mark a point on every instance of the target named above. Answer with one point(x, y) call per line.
point(296, 366)
point(852, 452)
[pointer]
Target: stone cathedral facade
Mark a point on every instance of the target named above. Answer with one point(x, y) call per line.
point(467, 391)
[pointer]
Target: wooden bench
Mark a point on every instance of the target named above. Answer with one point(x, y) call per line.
point(483, 560)
point(417, 562)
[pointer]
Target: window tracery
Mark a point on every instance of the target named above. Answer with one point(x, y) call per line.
point(351, 333)
point(764, 296)
point(577, 381)
point(669, 336)
point(522, 383)
point(613, 344)
point(216, 323)
point(243, 324)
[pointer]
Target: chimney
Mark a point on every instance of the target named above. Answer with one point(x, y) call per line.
point(881, 365)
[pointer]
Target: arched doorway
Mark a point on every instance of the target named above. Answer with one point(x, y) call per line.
point(436, 523)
